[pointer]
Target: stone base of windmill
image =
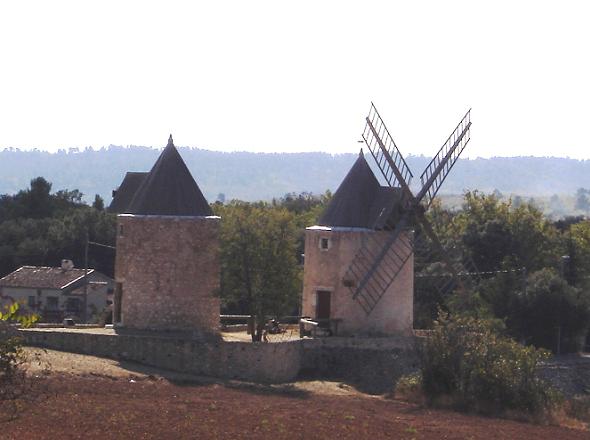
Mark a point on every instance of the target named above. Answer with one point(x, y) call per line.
point(167, 274)
point(329, 301)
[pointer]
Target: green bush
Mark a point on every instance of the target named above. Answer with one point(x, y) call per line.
point(14, 385)
point(579, 408)
point(467, 361)
point(551, 308)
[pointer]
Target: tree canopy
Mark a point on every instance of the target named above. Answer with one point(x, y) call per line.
point(260, 272)
point(38, 227)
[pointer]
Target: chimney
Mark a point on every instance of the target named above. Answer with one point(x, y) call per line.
point(67, 265)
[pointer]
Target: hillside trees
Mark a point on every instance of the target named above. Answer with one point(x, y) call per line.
point(537, 272)
point(551, 309)
point(578, 249)
point(582, 200)
point(498, 235)
point(41, 228)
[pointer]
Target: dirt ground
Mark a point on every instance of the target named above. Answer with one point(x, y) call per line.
point(91, 398)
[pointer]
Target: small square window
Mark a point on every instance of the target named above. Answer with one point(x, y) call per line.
point(52, 303)
point(324, 243)
point(73, 305)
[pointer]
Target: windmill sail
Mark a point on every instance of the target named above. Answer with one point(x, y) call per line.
point(439, 167)
point(378, 262)
point(388, 157)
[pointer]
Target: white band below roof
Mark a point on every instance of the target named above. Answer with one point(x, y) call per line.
point(180, 217)
point(338, 229)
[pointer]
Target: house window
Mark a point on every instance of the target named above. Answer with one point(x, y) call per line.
point(32, 302)
point(325, 243)
point(52, 303)
point(73, 305)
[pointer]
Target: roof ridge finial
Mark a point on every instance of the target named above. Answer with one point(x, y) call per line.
point(170, 141)
point(361, 154)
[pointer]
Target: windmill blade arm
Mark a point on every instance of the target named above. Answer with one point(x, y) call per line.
point(447, 261)
point(377, 265)
point(389, 159)
point(439, 167)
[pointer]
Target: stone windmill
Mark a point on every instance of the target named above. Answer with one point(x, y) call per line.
point(167, 262)
point(359, 259)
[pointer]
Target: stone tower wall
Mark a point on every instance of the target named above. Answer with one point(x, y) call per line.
point(325, 270)
point(169, 272)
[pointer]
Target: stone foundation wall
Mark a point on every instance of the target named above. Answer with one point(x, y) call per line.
point(260, 362)
point(169, 271)
point(373, 365)
point(568, 373)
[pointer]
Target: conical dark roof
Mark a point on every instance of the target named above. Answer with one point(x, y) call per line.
point(124, 194)
point(169, 189)
point(361, 202)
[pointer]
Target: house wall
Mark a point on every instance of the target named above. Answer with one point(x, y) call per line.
point(96, 302)
point(169, 272)
point(325, 270)
point(21, 295)
point(98, 295)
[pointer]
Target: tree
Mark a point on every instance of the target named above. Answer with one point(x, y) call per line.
point(221, 198)
point(582, 201)
point(556, 205)
point(578, 248)
point(37, 199)
point(98, 203)
point(260, 275)
point(551, 309)
point(40, 228)
point(496, 233)
point(470, 364)
point(306, 209)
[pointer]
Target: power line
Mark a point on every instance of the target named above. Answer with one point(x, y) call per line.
point(469, 274)
point(102, 245)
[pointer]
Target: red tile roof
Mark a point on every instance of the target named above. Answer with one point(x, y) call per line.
point(36, 277)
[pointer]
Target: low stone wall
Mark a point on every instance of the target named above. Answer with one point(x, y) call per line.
point(260, 362)
point(373, 365)
point(568, 373)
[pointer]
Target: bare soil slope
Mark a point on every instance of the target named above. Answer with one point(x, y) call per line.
point(86, 397)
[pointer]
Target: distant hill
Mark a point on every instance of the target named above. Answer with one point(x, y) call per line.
point(261, 176)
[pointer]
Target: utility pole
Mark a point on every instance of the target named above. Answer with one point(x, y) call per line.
point(562, 272)
point(84, 312)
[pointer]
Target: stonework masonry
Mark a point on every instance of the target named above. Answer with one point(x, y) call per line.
point(169, 273)
point(372, 364)
point(258, 362)
point(325, 269)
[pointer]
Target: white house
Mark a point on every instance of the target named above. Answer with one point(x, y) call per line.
point(56, 293)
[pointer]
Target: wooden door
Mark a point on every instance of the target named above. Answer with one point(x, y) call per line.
point(323, 304)
point(118, 303)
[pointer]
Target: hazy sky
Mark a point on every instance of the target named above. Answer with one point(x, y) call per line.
point(296, 76)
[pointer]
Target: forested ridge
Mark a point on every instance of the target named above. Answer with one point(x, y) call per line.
point(263, 176)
